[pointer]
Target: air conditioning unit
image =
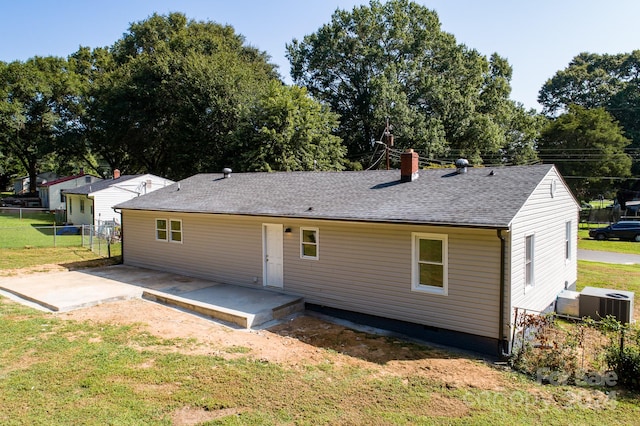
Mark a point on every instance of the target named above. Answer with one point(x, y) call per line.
point(597, 303)
point(568, 303)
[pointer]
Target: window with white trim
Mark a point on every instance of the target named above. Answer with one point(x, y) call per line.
point(176, 231)
point(81, 205)
point(309, 243)
point(529, 261)
point(430, 263)
point(161, 230)
point(567, 240)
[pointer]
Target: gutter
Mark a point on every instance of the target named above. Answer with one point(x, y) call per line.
point(503, 344)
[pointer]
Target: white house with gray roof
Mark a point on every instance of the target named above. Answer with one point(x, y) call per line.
point(92, 204)
point(442, 254)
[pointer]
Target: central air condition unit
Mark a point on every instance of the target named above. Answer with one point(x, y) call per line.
point(597, 303)
point(568, 303)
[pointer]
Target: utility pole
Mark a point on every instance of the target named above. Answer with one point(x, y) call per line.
point(388, 140)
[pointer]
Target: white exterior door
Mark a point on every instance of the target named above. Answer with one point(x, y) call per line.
point(272, 255)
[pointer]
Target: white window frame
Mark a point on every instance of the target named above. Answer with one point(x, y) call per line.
point(415, 261)
point(529, 261)
point(171, 231)
point(303, 243)
point(567, 240)
point(165, 229)
point(81, 205)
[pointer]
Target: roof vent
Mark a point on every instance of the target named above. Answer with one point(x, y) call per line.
point(461, 165)
point(226, 172)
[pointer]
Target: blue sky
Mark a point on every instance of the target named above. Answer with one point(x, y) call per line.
point(537, 37)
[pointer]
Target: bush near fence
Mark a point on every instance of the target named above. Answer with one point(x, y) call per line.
point(574, 351)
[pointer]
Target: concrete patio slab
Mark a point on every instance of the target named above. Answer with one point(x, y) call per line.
point(65, 291)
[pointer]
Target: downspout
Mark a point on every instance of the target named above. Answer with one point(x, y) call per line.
point(503, 344)
point(121, 235)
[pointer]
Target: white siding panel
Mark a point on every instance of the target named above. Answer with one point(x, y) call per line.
point(545, 217)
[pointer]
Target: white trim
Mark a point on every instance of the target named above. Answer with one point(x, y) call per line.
point(171, 231)
point(568, 246)
point(531, 265)
point(316, 243)
point(415, 263)
point(166, 229)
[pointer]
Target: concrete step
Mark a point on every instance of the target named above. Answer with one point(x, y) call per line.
point(246, 318)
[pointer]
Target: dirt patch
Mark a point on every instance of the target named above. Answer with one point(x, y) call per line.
point(187, 416)
point(300, 341)
point(63, 267)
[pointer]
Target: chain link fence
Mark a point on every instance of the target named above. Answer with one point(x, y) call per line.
point(30, 228)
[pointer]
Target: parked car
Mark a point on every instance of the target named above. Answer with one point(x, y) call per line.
point(624, 230)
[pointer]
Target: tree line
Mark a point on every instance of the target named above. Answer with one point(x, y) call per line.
point(175, 97)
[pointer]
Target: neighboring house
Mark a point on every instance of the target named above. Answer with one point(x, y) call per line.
point(441, 254)
point(93, 204)
point(21, 184)
point(52, 192)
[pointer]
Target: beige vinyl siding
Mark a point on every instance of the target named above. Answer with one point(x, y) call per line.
point(362, 267)
point(367, 268)
point(545, 217)
point(226, 249)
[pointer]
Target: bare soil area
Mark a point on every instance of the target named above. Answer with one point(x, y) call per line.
point(296, 342)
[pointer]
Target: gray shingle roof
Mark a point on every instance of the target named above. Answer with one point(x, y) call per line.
point(98, 186)
point(438, 196)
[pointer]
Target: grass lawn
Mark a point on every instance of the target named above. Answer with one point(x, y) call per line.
point(55, 371)
point(587, 243)
point(33, 230)
point(72, 372)
point(34, 257)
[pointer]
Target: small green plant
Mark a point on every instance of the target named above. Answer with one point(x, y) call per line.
point(623, 352)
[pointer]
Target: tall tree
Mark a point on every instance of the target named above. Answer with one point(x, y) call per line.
point(588, 146)
point(171, 95)
point(286, 130)
point(40, 101)
point(392, 60)
point(604, 81)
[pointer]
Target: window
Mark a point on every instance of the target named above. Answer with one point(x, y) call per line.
point(430, 263)
point(161, 229)
point(567, 241)
point(169, 230)
point(70, 206)
point(176, 231)
point(528, 261)
point(81, 206)
point(309, 243)
point(62, 197)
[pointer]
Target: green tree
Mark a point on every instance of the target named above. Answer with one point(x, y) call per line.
point(167, 97)
point(40, 103)
point(392, 60)
point(592, 80)
point(286, 130)
point(588, 146)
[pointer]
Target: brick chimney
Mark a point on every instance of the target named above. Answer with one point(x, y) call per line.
point(116, 173)
point(409, 166)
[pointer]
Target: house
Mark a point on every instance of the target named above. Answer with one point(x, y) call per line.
point(51, 192)
point(21, 184)
point(442, 254)
point(92, 204)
